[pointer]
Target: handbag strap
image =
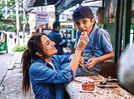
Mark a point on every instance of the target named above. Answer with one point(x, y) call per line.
point(94, 41)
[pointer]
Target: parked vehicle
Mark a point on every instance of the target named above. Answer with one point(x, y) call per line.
point(3, 42)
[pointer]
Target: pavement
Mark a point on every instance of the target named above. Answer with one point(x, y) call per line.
point(10, 84)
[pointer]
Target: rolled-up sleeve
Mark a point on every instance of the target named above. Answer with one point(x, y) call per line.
point(62, 59)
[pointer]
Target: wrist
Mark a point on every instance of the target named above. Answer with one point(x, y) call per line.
point(98, 60)
point(78, 52)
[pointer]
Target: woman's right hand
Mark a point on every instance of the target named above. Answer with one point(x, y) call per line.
point(83, 41)
point(80, 47)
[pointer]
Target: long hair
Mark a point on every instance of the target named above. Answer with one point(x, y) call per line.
point(34, 45)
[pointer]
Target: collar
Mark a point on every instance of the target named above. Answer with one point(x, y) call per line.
point(94, 29)
point(49, 64)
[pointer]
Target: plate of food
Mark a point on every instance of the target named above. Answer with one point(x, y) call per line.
point(88, 87)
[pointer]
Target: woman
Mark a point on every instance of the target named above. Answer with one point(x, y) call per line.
point(43, 69)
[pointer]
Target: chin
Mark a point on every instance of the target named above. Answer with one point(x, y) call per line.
point(55, 51)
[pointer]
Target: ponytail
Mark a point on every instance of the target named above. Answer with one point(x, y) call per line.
point(34, 45)
point(26, 62)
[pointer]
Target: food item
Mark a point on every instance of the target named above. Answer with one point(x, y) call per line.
point(84, 33)
point(88, 86)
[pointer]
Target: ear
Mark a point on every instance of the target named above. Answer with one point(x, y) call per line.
point(93, 20)
point(38, 54)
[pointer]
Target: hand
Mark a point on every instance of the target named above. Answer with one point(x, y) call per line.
point(83, 41)
point(92, 62)
point(81, 62)
point(71, 57)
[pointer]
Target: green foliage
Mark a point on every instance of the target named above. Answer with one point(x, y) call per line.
point(7, 27)
point(11, 2)
point(2, 3)
point(19, 48)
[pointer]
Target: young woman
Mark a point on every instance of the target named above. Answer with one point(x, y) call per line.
point(44, 69)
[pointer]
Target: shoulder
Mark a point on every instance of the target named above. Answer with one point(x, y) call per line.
point(78, 32)
point(37, 65)
point(102, 32)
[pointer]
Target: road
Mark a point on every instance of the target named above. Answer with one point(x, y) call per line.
point(6, 60)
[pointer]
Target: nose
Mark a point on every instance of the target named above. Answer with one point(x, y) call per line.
point(53, 43)
point(81, 26)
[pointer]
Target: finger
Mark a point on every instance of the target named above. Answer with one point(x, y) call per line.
point(84, 36)
point(81, 60)
point(88, 66)
point(81, 65)
point(90, 60)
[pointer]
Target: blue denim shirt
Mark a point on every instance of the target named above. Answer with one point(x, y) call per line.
point(43, 77)
point(103, 45)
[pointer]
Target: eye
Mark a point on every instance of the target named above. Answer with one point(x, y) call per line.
point(84, 21)
point(47, 42)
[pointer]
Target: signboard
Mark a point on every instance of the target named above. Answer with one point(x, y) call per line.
point(42, 18)
point(43, 15)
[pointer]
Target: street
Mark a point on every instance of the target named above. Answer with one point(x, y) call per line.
point(5, 62)
point(11, 75)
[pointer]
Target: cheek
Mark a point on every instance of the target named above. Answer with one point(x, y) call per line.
point(45, 49)
point(89, 26)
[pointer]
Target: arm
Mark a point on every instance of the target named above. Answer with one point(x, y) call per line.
point(41, 73)
point(105, 57)
point(62, 59)
point(94, 61)
point(46, 74)
point(80, 47)
point(106, 47)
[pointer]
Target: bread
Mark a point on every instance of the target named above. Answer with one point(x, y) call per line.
point(88, 86)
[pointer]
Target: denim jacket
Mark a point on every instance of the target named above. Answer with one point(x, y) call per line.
point(43, 77)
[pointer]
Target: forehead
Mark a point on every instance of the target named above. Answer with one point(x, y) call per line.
point(83, 19)
point(44, 38)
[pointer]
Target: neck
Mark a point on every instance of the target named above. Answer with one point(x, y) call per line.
point(91, 29)
point(47, 59)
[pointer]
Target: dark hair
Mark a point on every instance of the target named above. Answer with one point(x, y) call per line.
point(56, 25)
point(82, 12)
point(34, 45)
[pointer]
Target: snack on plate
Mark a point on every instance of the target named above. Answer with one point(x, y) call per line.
point(88, 86)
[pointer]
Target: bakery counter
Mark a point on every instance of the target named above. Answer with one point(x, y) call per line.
point(105, 88)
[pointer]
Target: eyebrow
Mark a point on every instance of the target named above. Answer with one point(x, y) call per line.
point(46, 40)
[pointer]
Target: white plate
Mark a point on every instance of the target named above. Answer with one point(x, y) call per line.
point(83, 79)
